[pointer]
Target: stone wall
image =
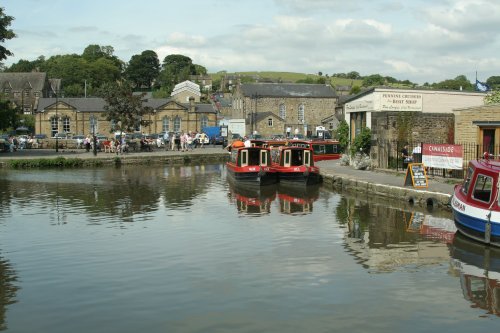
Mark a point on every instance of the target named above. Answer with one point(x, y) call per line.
point(465, 130)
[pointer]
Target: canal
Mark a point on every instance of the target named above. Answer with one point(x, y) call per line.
point(179, 249)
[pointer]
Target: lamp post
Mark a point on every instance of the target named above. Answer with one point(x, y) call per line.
point(93, 124)
point(57, 124)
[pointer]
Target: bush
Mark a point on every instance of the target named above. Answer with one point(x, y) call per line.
point(362, 142)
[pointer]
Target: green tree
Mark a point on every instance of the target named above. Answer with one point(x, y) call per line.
point(5, 33)
point(124, 108)
point(8, 116)
point(458, 83)
point(353, 75)
point(143, 69)
point(492, 98)
point(342, 134)
point(493, 82)
point(175, 68)
point(362, 141)
point(23, 66)
point(200, 70)
point(373, 80)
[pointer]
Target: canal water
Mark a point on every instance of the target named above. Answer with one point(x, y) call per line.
point(179, 249)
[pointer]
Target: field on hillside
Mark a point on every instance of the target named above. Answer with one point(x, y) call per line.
point(288, 77)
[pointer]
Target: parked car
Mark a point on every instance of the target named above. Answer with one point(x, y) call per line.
point(218, 140)
point(60, 136)
point(40, 136)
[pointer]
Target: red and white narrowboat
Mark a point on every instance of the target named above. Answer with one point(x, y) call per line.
point(251, 165)
point(323, 149)
point(295, 165)
point(475, 205)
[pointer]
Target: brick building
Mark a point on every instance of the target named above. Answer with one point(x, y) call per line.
point(302, 107)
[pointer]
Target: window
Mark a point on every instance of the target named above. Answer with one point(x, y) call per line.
point(94, 125)
point(204, 121)
point(66, 125)
point(166, 124)
point(177, 124)
point(282, 111)
point(482, 188)
point(26, 93)
point(270, 122)
point(54, 126)
point(300, 113)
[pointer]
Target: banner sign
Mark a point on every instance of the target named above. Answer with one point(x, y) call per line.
point(442, 156)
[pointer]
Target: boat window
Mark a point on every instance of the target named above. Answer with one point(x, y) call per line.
point(244, 157)
point(287, 158)
point(483, 188)
point(307, 157)
point(254, 157)
point(263, 157)
point(465, 188)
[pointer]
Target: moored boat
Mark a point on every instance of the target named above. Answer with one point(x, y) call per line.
point(475, 205)
point(295, 165)
point(251, 165)
point(323, 149)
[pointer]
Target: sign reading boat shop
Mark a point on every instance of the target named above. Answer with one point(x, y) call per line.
point(401, 101)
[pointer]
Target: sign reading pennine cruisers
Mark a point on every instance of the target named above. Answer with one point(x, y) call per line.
point(401, 102)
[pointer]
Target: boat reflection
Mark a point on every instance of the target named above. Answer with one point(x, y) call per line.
point(297, 199)
point(479, 269)
point(252, 199)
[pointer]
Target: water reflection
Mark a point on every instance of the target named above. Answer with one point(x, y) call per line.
point(479, 269)
point(384, 237)
point(8, 290)
point(297, 200)
point(105, 194)
point(252, 199)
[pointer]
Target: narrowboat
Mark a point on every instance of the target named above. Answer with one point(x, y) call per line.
point(251, 165)
point(295, 165)
point(475, 204)
point(323, 149)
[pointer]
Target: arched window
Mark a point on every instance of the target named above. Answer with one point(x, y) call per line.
point(204, 121)
point(66, 125)
point(300, 113)
point(54, 126)
point(177, 124)
point(166, 124)
point(282, 112)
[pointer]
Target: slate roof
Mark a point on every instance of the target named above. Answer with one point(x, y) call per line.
point(288, 90)
point(96, 104)
point(20, 81)
point(264, 115)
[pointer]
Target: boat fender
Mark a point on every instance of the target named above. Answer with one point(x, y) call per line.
point(306, 173)
point(261, 172)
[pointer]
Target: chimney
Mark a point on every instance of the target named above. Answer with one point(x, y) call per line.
point(191, 103)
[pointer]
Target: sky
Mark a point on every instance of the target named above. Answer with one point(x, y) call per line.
point(417, 40)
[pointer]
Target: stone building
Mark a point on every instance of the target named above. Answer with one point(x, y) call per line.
point(418, 114)
point(302, 107)
point(184, 91)
point(479, 125)
point(26, 89)
point(204, 81)
point(74, 116)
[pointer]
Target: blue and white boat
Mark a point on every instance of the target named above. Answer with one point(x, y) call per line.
point(475, 205)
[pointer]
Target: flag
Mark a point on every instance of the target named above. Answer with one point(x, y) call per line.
point(481, 86)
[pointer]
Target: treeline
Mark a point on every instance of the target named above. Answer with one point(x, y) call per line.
point(86, 73)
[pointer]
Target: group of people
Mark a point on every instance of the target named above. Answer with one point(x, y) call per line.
point(14, 142)
point(184, 141)
point(415, 156)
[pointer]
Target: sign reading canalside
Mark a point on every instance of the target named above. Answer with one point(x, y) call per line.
point(442, 156)
point(416, 175)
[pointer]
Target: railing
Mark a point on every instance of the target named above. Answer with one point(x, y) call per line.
point(388, 155)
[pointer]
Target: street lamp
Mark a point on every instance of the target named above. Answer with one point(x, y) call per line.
point(57, 125)
point(93, 124)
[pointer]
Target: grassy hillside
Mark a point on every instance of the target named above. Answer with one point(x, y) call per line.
point(287, 77)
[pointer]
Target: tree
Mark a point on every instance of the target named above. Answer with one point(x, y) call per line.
point(373, 80)
point(493, 82)
point(8, 116)
point(5, 33)
point(492, 98)
point(353, 75)
point(176, 68)
point(143, 69)
point(342, 134)
point(124, 108)
point(362, 141)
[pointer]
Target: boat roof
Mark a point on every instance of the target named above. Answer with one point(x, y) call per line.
point(486, 164)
